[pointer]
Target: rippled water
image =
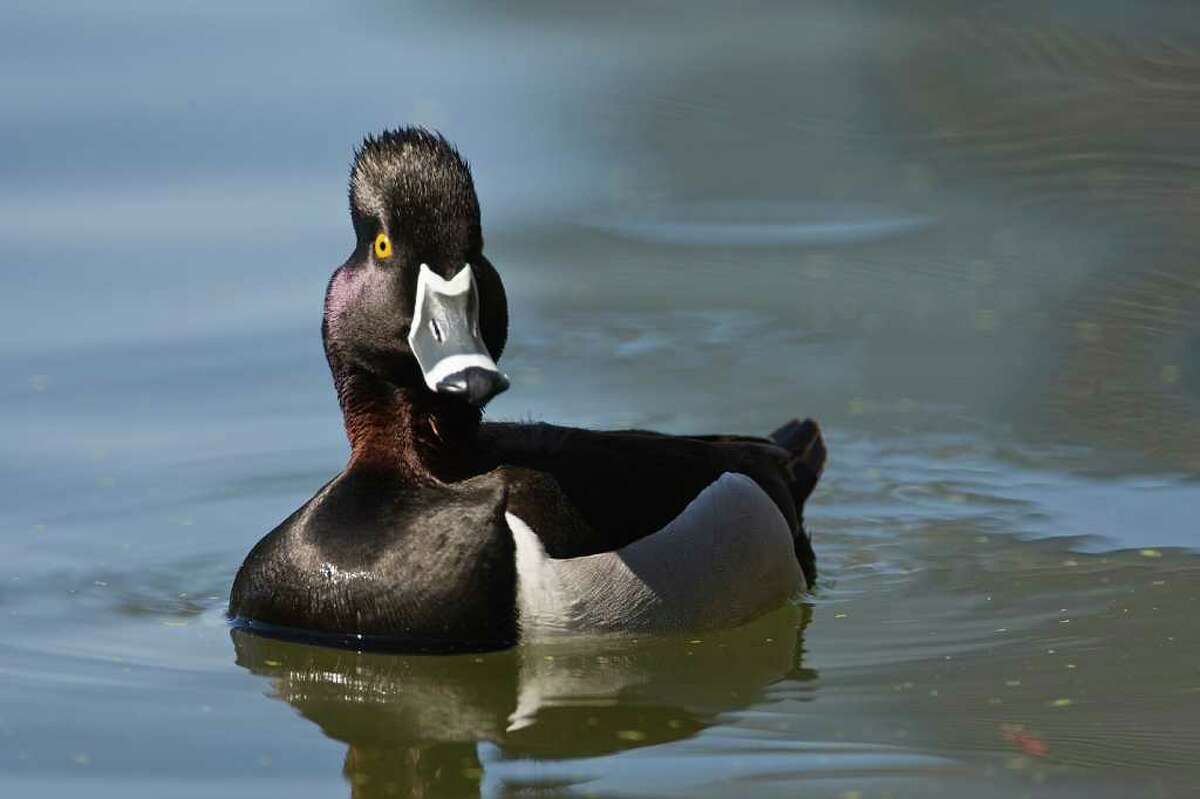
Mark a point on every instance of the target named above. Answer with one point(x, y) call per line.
point(961, 236)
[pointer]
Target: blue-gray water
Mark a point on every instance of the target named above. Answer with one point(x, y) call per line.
point(962, 236)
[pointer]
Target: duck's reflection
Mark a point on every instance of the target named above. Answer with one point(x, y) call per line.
point(412, 722)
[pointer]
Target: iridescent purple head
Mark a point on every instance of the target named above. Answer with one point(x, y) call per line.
point(417, 303)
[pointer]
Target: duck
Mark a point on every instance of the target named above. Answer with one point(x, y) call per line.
point(445, 533)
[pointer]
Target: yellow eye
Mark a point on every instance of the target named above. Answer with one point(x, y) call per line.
point(383, 247)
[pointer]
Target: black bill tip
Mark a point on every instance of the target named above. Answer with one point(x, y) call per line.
point(474, 384)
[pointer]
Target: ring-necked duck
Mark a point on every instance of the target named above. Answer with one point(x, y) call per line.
point(444, 533)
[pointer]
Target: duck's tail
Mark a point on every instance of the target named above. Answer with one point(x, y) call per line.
point(803, 440)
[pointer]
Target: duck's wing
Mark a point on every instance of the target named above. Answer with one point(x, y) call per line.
point(613, 488)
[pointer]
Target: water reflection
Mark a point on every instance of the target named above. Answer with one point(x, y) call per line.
point(413, 724)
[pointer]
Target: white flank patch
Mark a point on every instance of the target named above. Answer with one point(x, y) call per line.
point(725, 559)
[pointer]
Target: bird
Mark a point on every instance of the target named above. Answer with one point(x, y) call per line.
point(446, 533)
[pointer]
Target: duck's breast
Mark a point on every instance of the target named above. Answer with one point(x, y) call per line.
point(728, 557)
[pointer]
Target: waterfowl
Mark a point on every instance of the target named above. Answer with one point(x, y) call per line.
point(445, 533)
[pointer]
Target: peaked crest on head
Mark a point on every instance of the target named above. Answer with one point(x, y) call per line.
point(410, 168)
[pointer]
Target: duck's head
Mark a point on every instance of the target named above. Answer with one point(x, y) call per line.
point(416, 304)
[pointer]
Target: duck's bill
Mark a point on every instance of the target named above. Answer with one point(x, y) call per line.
point(445, 338)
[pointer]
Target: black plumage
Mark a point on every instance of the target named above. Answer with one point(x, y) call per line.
point(408, 547)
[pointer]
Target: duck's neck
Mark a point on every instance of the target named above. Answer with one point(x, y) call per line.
point(424, 438)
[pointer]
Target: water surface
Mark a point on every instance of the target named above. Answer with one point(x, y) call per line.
point(962, 237)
